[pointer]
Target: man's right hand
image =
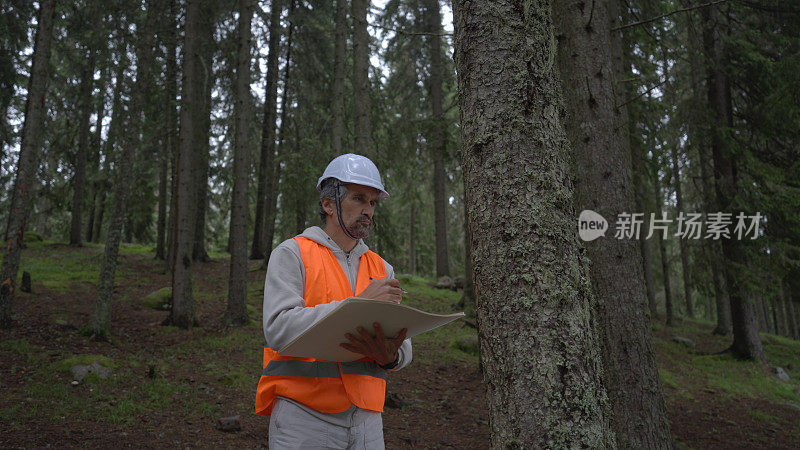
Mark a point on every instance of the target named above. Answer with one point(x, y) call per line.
point(386, 289)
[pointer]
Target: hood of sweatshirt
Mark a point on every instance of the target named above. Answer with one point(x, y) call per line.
point(319, 236)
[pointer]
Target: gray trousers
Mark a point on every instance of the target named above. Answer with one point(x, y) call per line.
point(292, 427)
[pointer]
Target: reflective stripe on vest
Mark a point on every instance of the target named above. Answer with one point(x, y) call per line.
point(327, 369)
point(325, 386)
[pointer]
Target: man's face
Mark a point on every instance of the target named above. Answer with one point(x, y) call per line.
point(358, 206)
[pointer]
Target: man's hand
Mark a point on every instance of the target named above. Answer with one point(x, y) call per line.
point(386, 289)
point(380, 348)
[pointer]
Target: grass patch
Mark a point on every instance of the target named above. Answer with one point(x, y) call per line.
point(440, 344)
point(723, 373)
point(59, 268)
point(85, 360)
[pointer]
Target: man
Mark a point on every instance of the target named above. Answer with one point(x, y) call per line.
point(323, 404)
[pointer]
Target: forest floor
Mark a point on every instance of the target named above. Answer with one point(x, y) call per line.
point(169, 386)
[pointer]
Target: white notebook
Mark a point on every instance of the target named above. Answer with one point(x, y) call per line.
point(321, 341)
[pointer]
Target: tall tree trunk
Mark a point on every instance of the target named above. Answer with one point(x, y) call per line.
point(791, 320)
point(114, 132)
point(662, 247)
point(600, 148)
point(412, 249)
point(272, 188)
point(95, 145)
point(236, 313)
point(538, 335)
point(266, 165)
point(79, 179)
point(27, 162)
point(161, 222)
point(361, 102)
point(206, 70)
point(676, 184)
point(339, 55)
point(100, 321)
point(182, 313)
point(746, 342)
point(171, 88)
point(435, 138)
point(683, 243)
point(468, 296)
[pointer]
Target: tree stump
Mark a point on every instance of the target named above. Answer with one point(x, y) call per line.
point(26, 282)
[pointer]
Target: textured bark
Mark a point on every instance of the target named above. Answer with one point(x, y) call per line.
point(236, 312)
point(538, 334)
point(182, 313)
point(100, 321)
point(79, 179)
point(435, 138)
point(361, 101)
point(746, 342)
point(266, 166)
point(339, 55)
point(27, 161)
point(468, 296)
point(602, 156)
point(670, 319)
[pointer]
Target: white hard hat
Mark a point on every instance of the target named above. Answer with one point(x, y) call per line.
point(356, 169)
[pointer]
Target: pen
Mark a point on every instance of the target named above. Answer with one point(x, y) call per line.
point(404, 291)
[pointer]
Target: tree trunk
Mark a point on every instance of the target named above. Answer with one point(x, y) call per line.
point(96, 145)
point(683, 244)
point(670, 320)
point(746, 342)
point(641, 206)
point(600, 149)
point(182, 313)
point(172, 138)
point(99, 323)
point(266, 167)
point(412, 249)
point(114, 132)
point(538, 335)
point(339, 55)
point(206, 71)
point(361, 101)
point(435, 138)
point(272, 188)
point(79, 179)
point(27, 162)
point(166, 189)
point(788, 311)
point(236, 313)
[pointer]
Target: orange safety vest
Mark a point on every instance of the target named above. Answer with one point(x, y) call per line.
point(325, 386)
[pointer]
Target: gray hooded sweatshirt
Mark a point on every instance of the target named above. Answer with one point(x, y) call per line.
point(285, 313)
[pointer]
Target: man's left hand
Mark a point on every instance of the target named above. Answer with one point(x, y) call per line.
point(380, 348)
